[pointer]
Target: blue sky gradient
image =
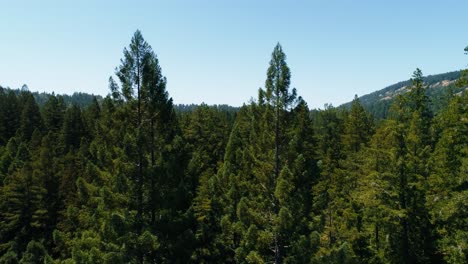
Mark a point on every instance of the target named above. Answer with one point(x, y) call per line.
point(218, 51)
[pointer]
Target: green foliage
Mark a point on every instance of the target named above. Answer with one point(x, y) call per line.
point(35, 253)
point(131, 178)
point(448, 181)
point(30, 116)
point(358, 126)
point(9, 115)
point(264, 185)
point(23, 210)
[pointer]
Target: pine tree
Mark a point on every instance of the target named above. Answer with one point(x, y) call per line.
point(263, 170)
point(74, 128)
point(30, 116)
point(419, 148)
point(206, 131)
point(295, 189)
point(130, 74)
point(358, 126)
point(377, 193)
point(157, 149)
point(114, 90)
point(53, 113)
point(278, 96)
point(22, 216)
point(447, 181)
point(92, 115)
point(46, 168)
point(35, 253)
point(410, 146)
point(12, 115)
point(329, 189)
point(159, 112)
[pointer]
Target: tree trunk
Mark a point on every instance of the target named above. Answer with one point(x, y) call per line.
point(140, 156)
point(278, 257)
point(277, 142)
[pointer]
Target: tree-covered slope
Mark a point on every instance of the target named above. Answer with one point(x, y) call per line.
point(436, 86)
point(77, 98)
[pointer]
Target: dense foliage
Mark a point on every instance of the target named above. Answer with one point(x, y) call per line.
point(128, 179)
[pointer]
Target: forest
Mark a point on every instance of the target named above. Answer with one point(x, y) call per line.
point(128, 178)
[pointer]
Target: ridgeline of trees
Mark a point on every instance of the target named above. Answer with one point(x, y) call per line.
point(378, 103)
point(82, 100)
point(128, 179)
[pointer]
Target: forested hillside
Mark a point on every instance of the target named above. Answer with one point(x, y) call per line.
point(82, 100)
point(130, 179)
point(438, 88)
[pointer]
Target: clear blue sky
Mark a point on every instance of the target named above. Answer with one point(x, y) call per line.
point(218, 51)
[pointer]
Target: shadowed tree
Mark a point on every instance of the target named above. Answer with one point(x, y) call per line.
point(130, 74)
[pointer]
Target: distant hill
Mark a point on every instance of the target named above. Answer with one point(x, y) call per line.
point(84, 99)
point(379, 102)
point(80, 99)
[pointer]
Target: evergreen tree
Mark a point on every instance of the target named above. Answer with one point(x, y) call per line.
point(114, 90)
point(53, 113)
point(12, 115)
point(30, 116)
point(206, 131)
point(73, 129)
point(329, 190)
point(92, 115)
point(35, 253)
point(130, 74)
point(358, 126)
point(46, 168)
point(447, 182)
point(280, 99)
point(22, 216)
point(262, 172)
point(412, 239)
point(159, 111)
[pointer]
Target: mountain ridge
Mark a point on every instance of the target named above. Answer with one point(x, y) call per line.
point(437, 86)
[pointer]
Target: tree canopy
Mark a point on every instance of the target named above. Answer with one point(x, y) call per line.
point(131, 178)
